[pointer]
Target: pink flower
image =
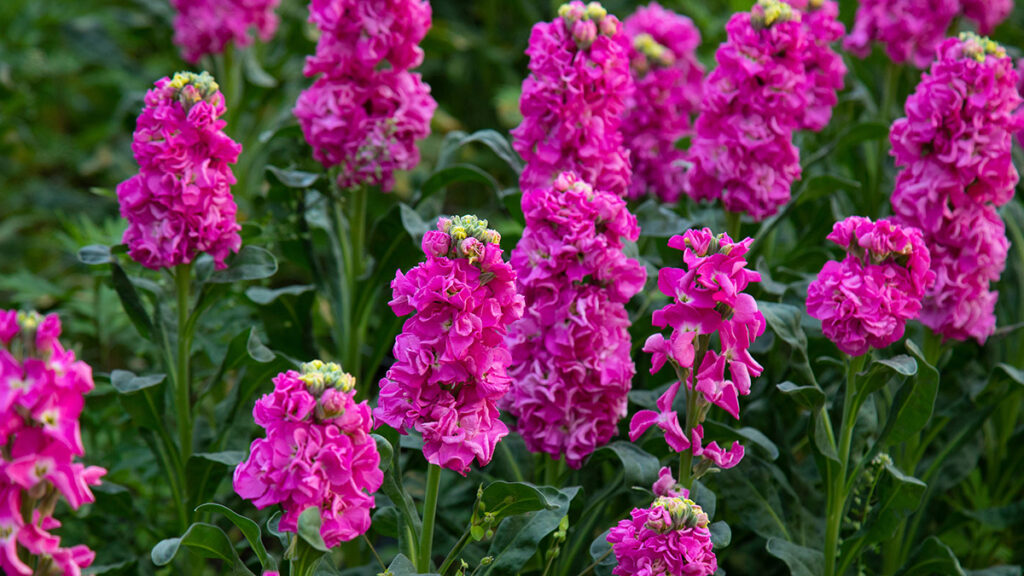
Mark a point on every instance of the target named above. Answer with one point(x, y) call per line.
point(987, 13)
point(824, 67)
point(670, 537)
point(666, 419)
point(668, 81)
point(573, 100)
point(571, 367)
point(40, 403)
point(180, 203)
point(742, 150)
point(865, 300)
point(317, 452)
point(204, 27)
point(451, 359)
point(911, 30)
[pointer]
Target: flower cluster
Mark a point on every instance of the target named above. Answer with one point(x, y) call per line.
point(571, 367)
point(865, 300)
point(954, 146)
point(317, 452)
point(41, 397)
point(668, 81)
point(755, 99)
point(180, 203)
point(987, 13)
point(826, 72)
point(204, 27)
point(366, 111)
point(669, 537)
point(451, 361)
point(573, 100)
point(707, 297)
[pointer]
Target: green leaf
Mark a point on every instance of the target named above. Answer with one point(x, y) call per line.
point(932, 558)
point(205, 471)
point(204, 539)
point(721, 534)
point(386, 451)
point(819, 432)
point(504, 499)
point(490, 138)
point(517, 538)
point(913, 405)
point(251, 263)
point(823, 185)
point(809, 397)
point(95, 254)
point(261, 295)
point(802, 561)
point(639, 467)
point(130, 301)
point(456, 173)
point(117, 567)
point(898, 496)
point(402, 566)
point(413, 223)
point(256, 350)
point(658, 220)
point(1014, 374)
point(753, 436)
point(249, 529)
point(309, 528)
point(1001, 518)
point(294, 178)
point(254, 72)
point(127, 382)
point(784, 320)
point(600, 548)
point(884, 370)
point(997, 571)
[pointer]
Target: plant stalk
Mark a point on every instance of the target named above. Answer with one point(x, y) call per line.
point(182, 391)
point(429, 515)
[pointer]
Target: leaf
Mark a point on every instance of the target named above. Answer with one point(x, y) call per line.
point(703, 496)
point(1001, 518)
point(504, 499)
point(456, 173)
point(309, 528)
point(823, 185)
point(413, 223)
point(600, 548)
point(385, 450)
point(95, 254)
point(130, 301)
point(517, 538)
point(913, 405)
point(256, 350)
point(249, 529)
point(658, 220)
point(721, 534)
point(639, 467)
point(1014, 374)
point(254, 72)
point(294, 178)
point(261, 295)
point(820, 432)
point(229, 458)
point(784, 320)
point(127, 382)
point(251, 263)
point(204, 539)
point(117, 567)
point(997, 571)
point(899, 495)
point(402, 566)
point(802, 561)
point(490, 138)
point(751, 435)
point(205, 470)
point(884, 370)
point(932, 558)
point(809, 397)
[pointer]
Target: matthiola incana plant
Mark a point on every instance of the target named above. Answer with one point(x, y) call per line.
point(203, 27)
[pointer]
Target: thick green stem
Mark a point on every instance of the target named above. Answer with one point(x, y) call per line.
point(837, 494)
point(357, 230)
point(733, 224)
point(429, 515)
point(182, 384)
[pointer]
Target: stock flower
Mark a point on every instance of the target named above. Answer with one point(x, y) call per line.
point(670, 537)
point(955, 148)
point(865, 300)
point(451, 360)
point(41, 398)
point(369, 126)
point(707, 297)
point(742, 150)
point(987, 13)
point(204, 27)
point(571, 367)
point(911, 30)
point(668, 81)
point(180, 203)
point(317, 452)
point(573, 100)
point(825, 70)
point(366, 110)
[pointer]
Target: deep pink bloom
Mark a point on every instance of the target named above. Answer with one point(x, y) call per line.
point(865, 300)
point(742, 151)
point(451, 358)
point(180, 202)
point(317, 452)
point(571, 368)
point(41, 398)
point(204, 27)
point(670, 537)
point(911, 30)
point(366, 125)
point(987, 13)
point(573, 100)
point(825, 69)
point(668, 81)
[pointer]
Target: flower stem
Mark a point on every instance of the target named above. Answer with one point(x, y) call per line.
point(183, 392)
point(429, 515)
point(837, 494)
point(733, 224)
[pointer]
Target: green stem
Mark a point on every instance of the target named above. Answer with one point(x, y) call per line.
point(454, 554)
point(357, 229)
point(733, 224)
point(932, 347)
point(594, 564)
point(429, 515)
point(551, 470)
point(182, 392)
point(837, 495)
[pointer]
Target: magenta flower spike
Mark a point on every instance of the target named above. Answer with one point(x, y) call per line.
point(571, 367)
point(317, 452)
point(824, 67)
point(42, 388)
point(204, 27)
point(180, 203)
point(451, 359)
point(910, 30)
point(742, 150)
point(668, 81)
point(955, 148)
point(573, 100)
